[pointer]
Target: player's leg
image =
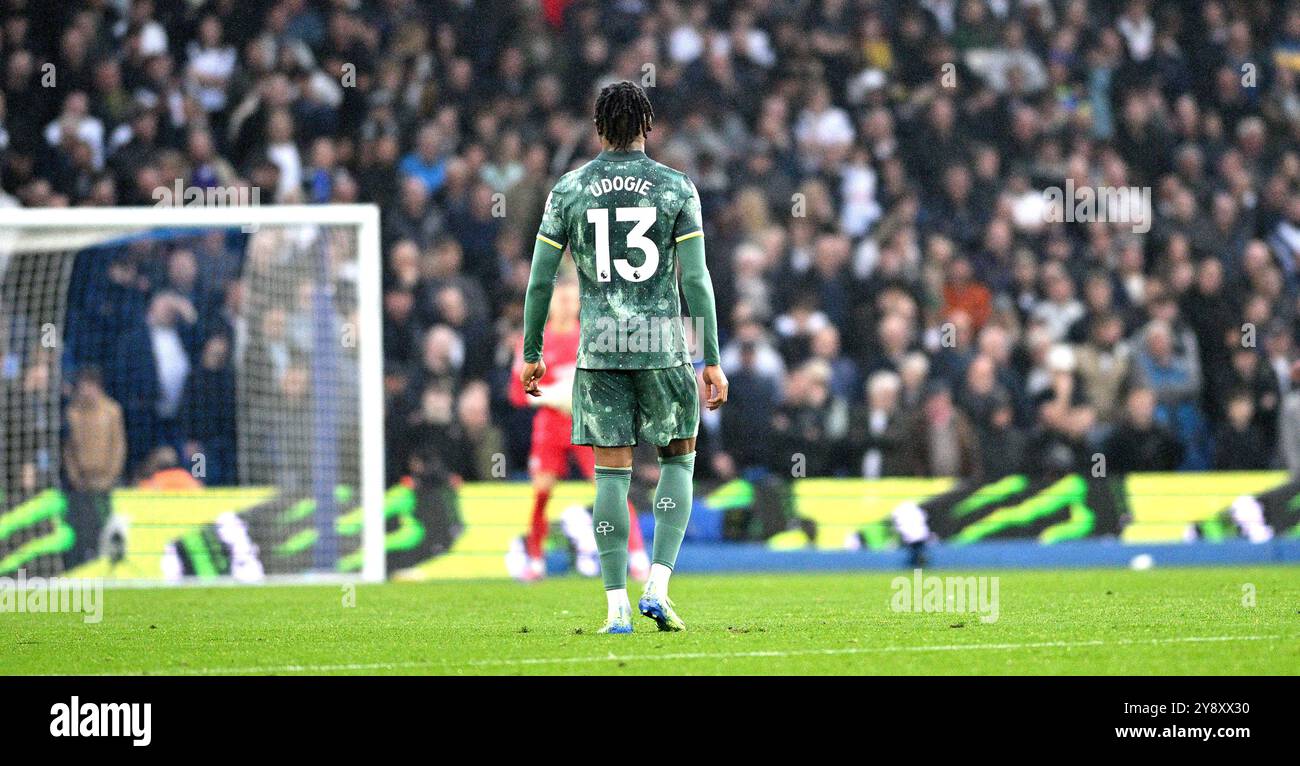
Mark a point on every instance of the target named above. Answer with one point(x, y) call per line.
point(604, 407)
point(674, 496)
point(672, 419)
point(638, 560)
point(543, 483)
point(547, 462)
point(613, 478)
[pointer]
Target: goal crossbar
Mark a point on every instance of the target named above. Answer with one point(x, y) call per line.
point(195, 216)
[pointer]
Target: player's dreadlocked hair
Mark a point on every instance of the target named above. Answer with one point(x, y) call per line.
point(622, 113)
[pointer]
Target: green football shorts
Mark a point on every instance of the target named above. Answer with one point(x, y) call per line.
point(610, 407)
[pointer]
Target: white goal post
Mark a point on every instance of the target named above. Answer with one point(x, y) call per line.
point(39, 249)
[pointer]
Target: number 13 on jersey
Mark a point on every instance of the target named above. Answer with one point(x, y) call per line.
point(644, 218)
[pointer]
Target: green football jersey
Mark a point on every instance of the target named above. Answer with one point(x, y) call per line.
point(622, 215)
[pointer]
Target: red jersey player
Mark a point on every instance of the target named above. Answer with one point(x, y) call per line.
point(548, 460)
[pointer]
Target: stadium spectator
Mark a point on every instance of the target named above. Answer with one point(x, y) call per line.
point(877, 428)
point(1174, 376)
point(825, 347)
point(161, 472)
point(1104, 366)
point(210, 427)
point(485, 443)
point(1139, 442)
point(810, 424)
point(93, 458)
point(1248, 374)
point(426, 162)
point(987, 403)
point(1059, 441)
point(746, 428)
point(151, 368)
point(940, 440)
point(1239, 443)
point(1288, 445)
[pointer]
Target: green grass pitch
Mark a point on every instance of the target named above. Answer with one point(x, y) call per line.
point(1162, 621)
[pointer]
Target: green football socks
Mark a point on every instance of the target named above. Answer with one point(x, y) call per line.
point(672, 506)
point(611, 524)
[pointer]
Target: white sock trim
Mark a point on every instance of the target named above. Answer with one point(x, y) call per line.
point(658, 583)
point(617, 605)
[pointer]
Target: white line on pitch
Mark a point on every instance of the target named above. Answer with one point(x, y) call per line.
point(276, 669)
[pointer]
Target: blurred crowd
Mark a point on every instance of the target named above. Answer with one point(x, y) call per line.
point(896, 296)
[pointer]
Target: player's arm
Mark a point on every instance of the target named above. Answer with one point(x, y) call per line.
point(537, 304)
point(556, 397)
point(516, 395)
point(698, 289)
point(688, 234)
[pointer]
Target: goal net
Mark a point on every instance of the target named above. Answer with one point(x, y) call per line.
point(191, 393)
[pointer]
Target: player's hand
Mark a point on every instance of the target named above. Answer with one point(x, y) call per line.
point(715, 387)
point(532, 373)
